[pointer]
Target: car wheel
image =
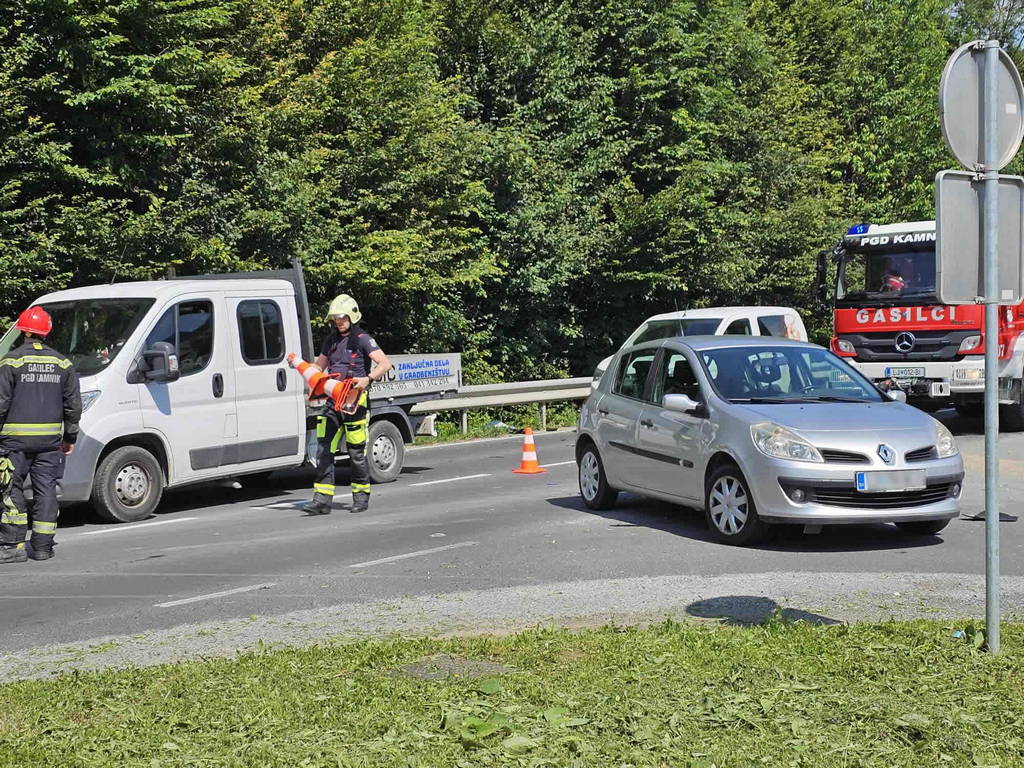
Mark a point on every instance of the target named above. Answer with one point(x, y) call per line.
point(594, 488)
point(731, 514)
point(922, 527)
point(128, 485)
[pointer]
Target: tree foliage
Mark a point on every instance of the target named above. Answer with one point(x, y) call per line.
point(520, 181)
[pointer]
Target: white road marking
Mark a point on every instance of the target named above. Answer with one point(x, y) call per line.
point(213, 595)
point(558, 464)
point(450, 480)
point(393, 558)
point(136, 526)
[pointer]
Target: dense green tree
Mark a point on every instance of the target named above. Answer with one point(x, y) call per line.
point(523, 182)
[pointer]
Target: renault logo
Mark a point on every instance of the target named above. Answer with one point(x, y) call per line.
point(905, 342)
point(886, 454)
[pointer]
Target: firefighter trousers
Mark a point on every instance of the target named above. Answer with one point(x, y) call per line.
point(330, 428)
point(45, 468)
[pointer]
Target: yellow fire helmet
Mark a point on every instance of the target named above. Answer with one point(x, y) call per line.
point(345, 305)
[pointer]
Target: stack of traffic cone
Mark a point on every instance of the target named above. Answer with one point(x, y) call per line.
point(339, 392)
point(529, 465)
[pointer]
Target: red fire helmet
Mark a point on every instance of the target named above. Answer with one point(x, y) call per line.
point(35, 320)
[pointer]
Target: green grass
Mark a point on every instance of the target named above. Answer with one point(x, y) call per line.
point(672, 695)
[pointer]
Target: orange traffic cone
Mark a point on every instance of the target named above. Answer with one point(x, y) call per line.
point(529, 464)
point(315, 378)
point(341, 393)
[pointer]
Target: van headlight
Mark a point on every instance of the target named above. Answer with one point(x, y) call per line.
point(781, 443)
point(88, 398)
point(945, 443)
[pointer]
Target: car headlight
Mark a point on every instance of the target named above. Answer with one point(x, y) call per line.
point(845, 348)
point(945, 443)
point(781, 443)
point(969, 344)
point(88, 398)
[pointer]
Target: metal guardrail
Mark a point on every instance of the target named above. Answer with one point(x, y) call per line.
point(513, 393)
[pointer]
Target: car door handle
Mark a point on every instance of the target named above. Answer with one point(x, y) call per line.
point(218, 385)
point(282, 382)
point(646, 423)
point(603, 411)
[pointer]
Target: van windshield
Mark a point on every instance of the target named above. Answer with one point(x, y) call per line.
point(682, 326)
point(91, 332)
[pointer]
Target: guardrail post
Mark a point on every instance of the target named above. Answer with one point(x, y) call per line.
point(464, 418)
point(543, 417)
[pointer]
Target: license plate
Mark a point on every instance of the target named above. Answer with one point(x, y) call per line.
point(904, 373)
point(891, 481)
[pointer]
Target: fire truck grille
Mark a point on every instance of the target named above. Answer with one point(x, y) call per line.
point(929, 346)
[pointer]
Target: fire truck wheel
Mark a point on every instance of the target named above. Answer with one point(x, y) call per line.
point(1011, 418)
point(970, 410)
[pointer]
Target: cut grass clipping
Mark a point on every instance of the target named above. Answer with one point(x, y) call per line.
point(919, 694)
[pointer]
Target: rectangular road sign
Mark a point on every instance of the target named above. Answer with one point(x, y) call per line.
point(959, 276)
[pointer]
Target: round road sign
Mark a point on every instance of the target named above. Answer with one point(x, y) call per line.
point(961, 107)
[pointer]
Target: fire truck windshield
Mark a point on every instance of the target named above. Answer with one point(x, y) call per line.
point(885, 275)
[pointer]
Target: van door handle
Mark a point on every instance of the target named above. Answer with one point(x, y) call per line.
point(218, 385)
point(282, 382)
point(646, 423)
point(602, 411)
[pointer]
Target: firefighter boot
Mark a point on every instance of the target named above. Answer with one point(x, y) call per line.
point(13, 553)
point(360, 502)
point(41, 553)
point(320, 505)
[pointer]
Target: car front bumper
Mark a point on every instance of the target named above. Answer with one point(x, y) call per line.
point(830, 496)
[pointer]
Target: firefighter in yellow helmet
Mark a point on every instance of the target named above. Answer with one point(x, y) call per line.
point(349, 352)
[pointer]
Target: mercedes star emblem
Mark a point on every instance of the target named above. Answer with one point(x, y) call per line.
point(905, 341)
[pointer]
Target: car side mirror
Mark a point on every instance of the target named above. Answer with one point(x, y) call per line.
point(897, 394)
point(160, 362)
point(682, 404)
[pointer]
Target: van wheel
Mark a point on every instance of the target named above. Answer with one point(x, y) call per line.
point(732, 516)
point(128, 486)
point(594, 488)
point(385, 451)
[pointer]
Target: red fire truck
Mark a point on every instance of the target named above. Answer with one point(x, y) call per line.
point(888, 322)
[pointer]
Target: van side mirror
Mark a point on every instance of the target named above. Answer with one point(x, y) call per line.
point(897, 395)
point(682, 404)
point(160, 362)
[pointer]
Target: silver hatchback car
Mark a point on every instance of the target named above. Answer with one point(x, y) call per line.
point(759, 431)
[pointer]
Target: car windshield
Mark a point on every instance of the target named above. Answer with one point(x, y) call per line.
point(90, 332)
point(764, 374)
point(886, 275)
point(681, 326)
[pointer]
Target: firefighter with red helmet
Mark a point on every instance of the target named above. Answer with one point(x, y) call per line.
point(40, 407)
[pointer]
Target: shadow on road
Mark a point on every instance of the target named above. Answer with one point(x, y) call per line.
point(750, 610)
point(636, 511)
point(283, 486)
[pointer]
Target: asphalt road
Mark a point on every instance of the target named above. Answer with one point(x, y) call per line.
point(457, 521)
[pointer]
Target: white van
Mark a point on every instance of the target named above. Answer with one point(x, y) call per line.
point(185, 380)
point(782, 322)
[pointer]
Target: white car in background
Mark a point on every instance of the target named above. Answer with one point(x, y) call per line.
point(780, 322)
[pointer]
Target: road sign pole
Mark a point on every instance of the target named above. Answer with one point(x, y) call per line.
point(990, 235)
